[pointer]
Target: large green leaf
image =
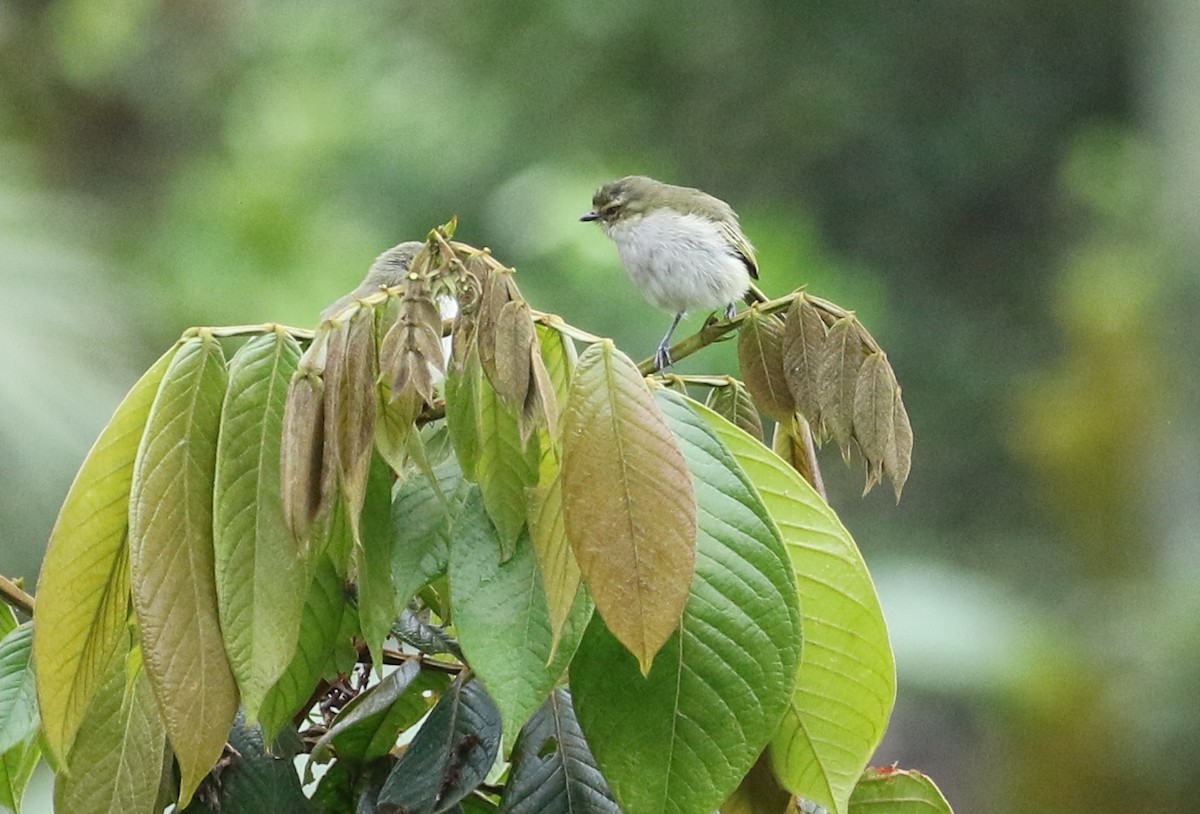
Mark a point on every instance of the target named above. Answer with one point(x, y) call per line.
point(260, 577)
point(257, 781)
point(18, 695)
point(681, 738)
point(627, 501)
point(505, 466)
point(116, 762)
point(449, 756)
point(327, 625)
point(421, 514)
point(502, 619)
point(896, 791)
point(171, 558)
point(847, 682)
point(377, 605)
point(553, 771)
point(83, 590)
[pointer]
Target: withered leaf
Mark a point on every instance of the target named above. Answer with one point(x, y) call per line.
point(350, 409)
point(803, 339)
point(541, 402)
point(899, 461)
point(335, 361)
point(302, 460)
point(498, 290)
point(760, 354)
point(733, 402)
point(837, 379)
point(513, 343)
point(874, 416)
point(628, 501)
point(411, 345)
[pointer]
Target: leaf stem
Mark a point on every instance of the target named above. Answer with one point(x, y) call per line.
point(14, 597)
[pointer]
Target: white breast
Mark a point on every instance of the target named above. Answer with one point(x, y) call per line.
point(680, 262)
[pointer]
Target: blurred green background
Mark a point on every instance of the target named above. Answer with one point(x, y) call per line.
point(1007, 192)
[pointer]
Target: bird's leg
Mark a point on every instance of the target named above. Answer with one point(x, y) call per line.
point(662, 356)
point(730, 310)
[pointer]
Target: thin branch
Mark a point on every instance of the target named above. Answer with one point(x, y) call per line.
point(14, 597)
point(227, 331)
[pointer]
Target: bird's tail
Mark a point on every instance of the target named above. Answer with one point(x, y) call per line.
point(754, 295)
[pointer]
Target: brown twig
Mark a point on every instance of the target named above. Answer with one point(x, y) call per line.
point(14, 597)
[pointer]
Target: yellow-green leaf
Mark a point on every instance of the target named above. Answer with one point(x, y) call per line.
point(628, 502)
point(547, 529)
point(116, 763)
point(505, 466)
point(261, 579)
point(897, 791)
point(83, 591)
point(760, 355)
point(171, 559)
point(847, 679)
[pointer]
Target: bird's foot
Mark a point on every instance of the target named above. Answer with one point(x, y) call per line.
point(662, 356)
point(730, 310)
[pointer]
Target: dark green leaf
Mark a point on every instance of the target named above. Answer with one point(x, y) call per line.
point(377, 606)
point(425, 636)
point(369, 708)
point(553, 771)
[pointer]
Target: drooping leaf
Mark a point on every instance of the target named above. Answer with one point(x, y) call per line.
point(561, 578)
point(505, 466)
point(733, 403)
point(116, 763)
point(256, 781)
point(350, 410)
point(377, 605)
point(514, 340)
point(899, 460)
point(361, 730)
point(558, 353)
point(461, 388)
point(553, 771)
point(261, 580)
point(837, 378)
point(874, 416)
point(759, 792)
point(449, 756)
point(683, 737)
point(18, 694)
point(897, 791)
point(847, 681)
point(421, 515)
point(16, 767)
point(83, 591)
point(803, 341)
point(171, 559)
point(308, 461)
point(760, 356)
point(502, 620)
point(628, 503)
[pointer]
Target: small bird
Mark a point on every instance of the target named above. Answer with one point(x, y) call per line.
point(683, 248)
point(388, 269)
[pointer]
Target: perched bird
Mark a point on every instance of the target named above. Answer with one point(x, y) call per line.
point(388, 269)
point(683, 248)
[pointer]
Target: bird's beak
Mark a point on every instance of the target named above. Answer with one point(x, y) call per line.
point(590, 216)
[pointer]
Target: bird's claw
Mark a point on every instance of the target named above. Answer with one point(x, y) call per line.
point(730, 310)
point(662, 357)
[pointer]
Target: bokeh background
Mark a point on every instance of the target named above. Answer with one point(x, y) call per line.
point(1008, 193)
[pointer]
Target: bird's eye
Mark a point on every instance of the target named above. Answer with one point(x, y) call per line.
point(610, 210)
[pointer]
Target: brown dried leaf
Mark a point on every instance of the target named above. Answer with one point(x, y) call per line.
point(733, 403)
point(628, 502)
point(302, 461)
point(760, 354)
point(513, 343)
point(803, 339)
point(496, 294)
point(335, 361)
point(874, 421)
point(541, 402)
point(837, 379)
point(411, 345)
point(899, 461)
point(350, 397)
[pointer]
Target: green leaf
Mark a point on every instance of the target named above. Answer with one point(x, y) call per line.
point(560, 573)
point(116, 763)
point(16, 767)
point(461, 388)
point(847, 682)
point(558, 354)
point(324, 647)
point(421, 513)
point(365, 728)
point(553, 771)
point(256, 781)
point(171, 559)
point(502, 620)
point(627, 500)
point(505, 466)
point(8, 620)
point(375, 736)
point(449, 756)
point(83, 591)
point(897, 791)
point(377, 606)
point(261, 580)
point(683, 737)
point(18, 695)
